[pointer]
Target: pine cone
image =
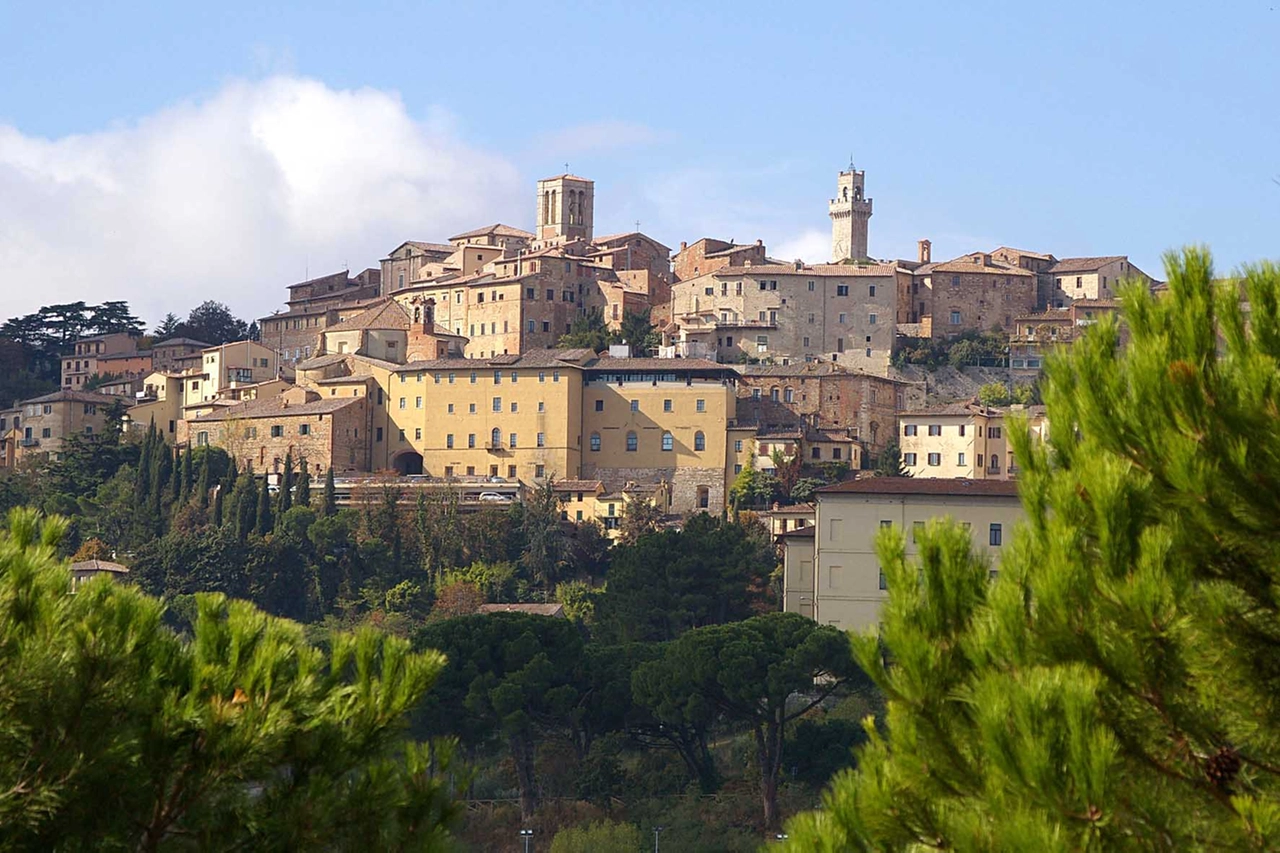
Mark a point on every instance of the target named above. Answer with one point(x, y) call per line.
point(1222, 767)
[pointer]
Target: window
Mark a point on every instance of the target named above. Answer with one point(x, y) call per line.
point(995, 432)
point(844, 318)
point(909, 460)
point(699, 441)
point(47, 432)
point(955, 318)
point(497, 404)
point(842, 290)
point(471, 439)
point(451, 408)
point(473, 377)
point(250, 432)
point(277, 431)
point(511, 471)
point(811, 318)
point(417, 402)
point(871, 319)
point(960, 459)
point(633, 443)
point(668, 441)
point(871, 291)
point(202, 438)
point(1079, 280)
point(495, 438)
point(304, 429)
point(962, 429)
point(635, 405)
point(497, 377)
point(811, 286)
point(737, 446)
point(773, 394)
point(595, 441)
point(839, 344)
point(996, 536)
point(806, 342)
point(995, 464)
point(935, 429)
point(515, 407)
point(471, 409)
point(666, 405)
point(979, 460)
point(884, 584)
point(909, 429)
point(540, 471)
point(511, 440)
point(816, 453)
point(935, 459)
point(417, 434)
point(700, 406)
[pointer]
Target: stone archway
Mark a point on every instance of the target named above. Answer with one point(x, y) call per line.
point(407, 462)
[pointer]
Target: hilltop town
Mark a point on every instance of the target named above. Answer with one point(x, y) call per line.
point(497, 360)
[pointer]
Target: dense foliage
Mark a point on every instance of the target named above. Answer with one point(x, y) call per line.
point(1116, 687)
point(117, 734)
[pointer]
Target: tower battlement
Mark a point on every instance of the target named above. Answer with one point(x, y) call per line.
point(850, 211)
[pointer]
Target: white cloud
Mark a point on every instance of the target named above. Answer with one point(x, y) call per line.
point(235, 196)
point(812, 247)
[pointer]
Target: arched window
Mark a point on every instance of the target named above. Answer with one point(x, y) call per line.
point(668, 442)
point(595, 441)
point(554, 213)
point(495, 438)
point(773, 394)
point(633, 443)
point(789, 395)
point(699, 441)
point(546, 207)
point(417, 314)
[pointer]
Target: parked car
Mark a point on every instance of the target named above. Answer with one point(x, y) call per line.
point(494, 496)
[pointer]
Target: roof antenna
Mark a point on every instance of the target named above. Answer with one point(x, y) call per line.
point(850, 161)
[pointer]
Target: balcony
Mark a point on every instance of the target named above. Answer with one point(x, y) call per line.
point(29, 442)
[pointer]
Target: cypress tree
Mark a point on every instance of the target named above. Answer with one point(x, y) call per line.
point(303, 491)
point(175, 476)
point(263, 525)
point(286, 485)
point(202, 484)
point(244, 506)
point(330, 494)
point(184, 487)
point(217, 506)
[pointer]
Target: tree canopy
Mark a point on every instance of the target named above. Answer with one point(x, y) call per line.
point(1117, 687)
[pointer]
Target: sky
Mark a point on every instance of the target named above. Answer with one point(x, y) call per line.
point(168, 153)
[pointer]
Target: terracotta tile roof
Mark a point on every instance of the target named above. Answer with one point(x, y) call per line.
point(606, 364)
point(335, 278)
point(64, 396)
point(272, 408)
point(627, 235)
point(1063, 314)
point(1022, 253)
point(389, 314)
point(529, 358)
point(805, 532)
point(566, 177)
point(99, 566)
point(967, 407)
point(816, 270)
point(554, 610)
point(1084, 264)
point(577, 485)
point(180, 342)
point(965, 264)
point(497, 230)
point(319, 361)
point(923, 486)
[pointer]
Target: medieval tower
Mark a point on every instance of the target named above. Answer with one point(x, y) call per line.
point(565, 207)
point(849, 212)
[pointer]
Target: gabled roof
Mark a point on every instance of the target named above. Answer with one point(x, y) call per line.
point(816, 270)
point(172, 342)
point(554, 610)
point(272, 408)
point(965, 264)
point(332, 278)
point(1084, 264)
point(64, 396)
point(497, 230)
point(577, 485)
point(626, 235)
point(99, 566)
point(388, 314)
point(1022, 253)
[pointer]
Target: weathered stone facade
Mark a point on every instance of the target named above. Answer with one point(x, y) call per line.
point(850, 213)
point(708, 255)
point(971, 293)
point(792, 313)
point(1091, 278)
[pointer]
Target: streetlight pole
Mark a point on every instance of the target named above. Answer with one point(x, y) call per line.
point(657, 830)
point(527, 836)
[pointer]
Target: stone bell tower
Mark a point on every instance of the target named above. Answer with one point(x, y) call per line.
point(849, 210)
point(566, 207)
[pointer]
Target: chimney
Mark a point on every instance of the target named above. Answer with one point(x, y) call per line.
point(799, 264)
point(924, 251)
point(683, 245)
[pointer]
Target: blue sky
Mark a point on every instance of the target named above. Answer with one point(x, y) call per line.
point(162, 152)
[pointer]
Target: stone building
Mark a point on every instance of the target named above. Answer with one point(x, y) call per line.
point(974, 292)
point(391, 332)
point(98, 355)
point(850, 214)
point(793, 313)
point(332, 430)
point(1035, 335)
point(565, 211)
point(964, 440)
point(313, 306)
point(43, 423)
point(176, 353)
point(823, 396)
point(1091, 278)
point(708, 255)
point(833, 575)
point(405, 262)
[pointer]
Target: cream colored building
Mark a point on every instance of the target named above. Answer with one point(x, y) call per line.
point(588, 500)
point(43, 423)
point(835, 576)
point(226, 366)
point(964, 440)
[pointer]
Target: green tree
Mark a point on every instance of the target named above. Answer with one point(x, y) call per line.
point(514, 679)
point(889, 462)
point(286, 485)
point(710, 572)
point(588, 331)
point(330, 503)
point(1116, 687)
point(213, 323)
point(544, 541)
point(640, 516)
point(263, 518)
point(747, 671)
point(636, 329)
point(116, 734)
point(168, 327)
point(605, 836)
point(302, 496)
